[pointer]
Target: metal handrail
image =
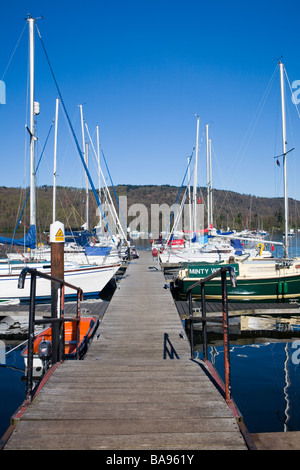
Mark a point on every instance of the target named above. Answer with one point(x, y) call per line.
point(223, 272)
point(60, 341)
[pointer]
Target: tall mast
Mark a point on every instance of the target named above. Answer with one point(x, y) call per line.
point(98, 158)
point(54, 166)
point(210, 186)
point(87, 187)
point(32, 124)
point(207, 177)
point(85, 157)
point(195, 177)
point(189, 189)
point(99, 168)
point(284, 143)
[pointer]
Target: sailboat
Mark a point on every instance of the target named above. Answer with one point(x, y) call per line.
point(90, 278)
point(258, 280)
point(206, 246)
point(81, 247)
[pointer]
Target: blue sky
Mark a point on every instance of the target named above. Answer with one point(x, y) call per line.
point(142, 70)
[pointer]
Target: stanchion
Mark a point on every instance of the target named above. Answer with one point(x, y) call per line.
point(57, 241)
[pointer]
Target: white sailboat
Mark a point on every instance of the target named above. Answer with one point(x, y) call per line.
point(216, 249)
point(92, 252)
point(90, 278)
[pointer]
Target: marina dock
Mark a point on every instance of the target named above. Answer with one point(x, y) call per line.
point(137, 387)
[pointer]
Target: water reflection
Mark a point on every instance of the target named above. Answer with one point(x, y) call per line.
point(265, 370)
point(12, 384)
point(243, 328)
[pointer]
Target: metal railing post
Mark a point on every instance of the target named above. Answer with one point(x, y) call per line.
point(204, 323)
point(222, 271)
point(61, 355)
point(29, 379)
point(226, 336)
point(53, 321)
point(191, 323)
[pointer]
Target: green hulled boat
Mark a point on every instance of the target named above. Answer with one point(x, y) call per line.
point(257, 281)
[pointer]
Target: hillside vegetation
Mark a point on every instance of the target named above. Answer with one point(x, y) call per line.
point(233, 210)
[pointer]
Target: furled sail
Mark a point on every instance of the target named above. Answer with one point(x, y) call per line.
point(29, 240)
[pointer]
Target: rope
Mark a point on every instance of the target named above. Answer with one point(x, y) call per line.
point(73, 133)
point(190, 159)
point(120, 210)
point(18, 223)
point(11, 57)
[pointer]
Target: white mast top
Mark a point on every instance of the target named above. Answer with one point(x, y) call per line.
point(32, 124)
point(195, 177)
point(85, 156)
point(207, 177)
point(55, 161)
point(99, 168)
point(284, 143)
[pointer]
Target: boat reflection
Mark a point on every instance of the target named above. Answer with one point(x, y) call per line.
point(246, 329)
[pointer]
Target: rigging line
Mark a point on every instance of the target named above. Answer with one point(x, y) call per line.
point(27, 196)
point(113, 188)
point(11, 57)
point(252, 126)
point(74, 135)
point(190, 159)
point(117, 221)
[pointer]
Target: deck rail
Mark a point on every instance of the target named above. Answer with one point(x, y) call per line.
point(56, 320)
point(223, 273)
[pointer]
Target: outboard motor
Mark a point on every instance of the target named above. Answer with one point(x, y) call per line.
point(45, 351)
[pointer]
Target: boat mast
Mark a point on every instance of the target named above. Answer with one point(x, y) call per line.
point(98, 161)
point(207, 177)
point(54, 166)
point(195, 178)
point(210, 187)
point(87, 187)
point(99, 168)
point(32, 123)
point(189, 189)
point(284, 143)
point(85, 157)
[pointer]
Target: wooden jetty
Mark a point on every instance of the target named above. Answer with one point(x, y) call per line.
point(136, 389)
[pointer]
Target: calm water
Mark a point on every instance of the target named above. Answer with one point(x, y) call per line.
point(12, 385)
point(265, 383)
point(265, 378)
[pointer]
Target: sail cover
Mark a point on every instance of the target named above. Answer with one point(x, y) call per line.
point(29, 240)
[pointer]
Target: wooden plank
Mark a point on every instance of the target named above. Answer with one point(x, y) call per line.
point(277, 440)
point(137, 387)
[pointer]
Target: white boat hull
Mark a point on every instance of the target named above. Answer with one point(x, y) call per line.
point(91, 279)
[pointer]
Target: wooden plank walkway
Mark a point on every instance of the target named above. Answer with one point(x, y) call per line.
point(137, 387)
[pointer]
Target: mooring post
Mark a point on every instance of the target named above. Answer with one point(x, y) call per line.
point(57, 241)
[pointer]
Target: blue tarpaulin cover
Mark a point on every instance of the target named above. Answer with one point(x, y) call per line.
point(29, 240)
point(97, 250)
point(239, 250)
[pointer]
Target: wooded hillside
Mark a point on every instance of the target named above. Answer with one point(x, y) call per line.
point(233, 210)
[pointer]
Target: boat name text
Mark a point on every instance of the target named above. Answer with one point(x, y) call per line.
point(203, 271)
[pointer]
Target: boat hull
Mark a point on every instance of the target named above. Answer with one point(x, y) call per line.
point(87, 329)
point(91, 279)
point(278, 287)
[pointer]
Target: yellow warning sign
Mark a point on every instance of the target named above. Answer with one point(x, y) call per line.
point(59, 236)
